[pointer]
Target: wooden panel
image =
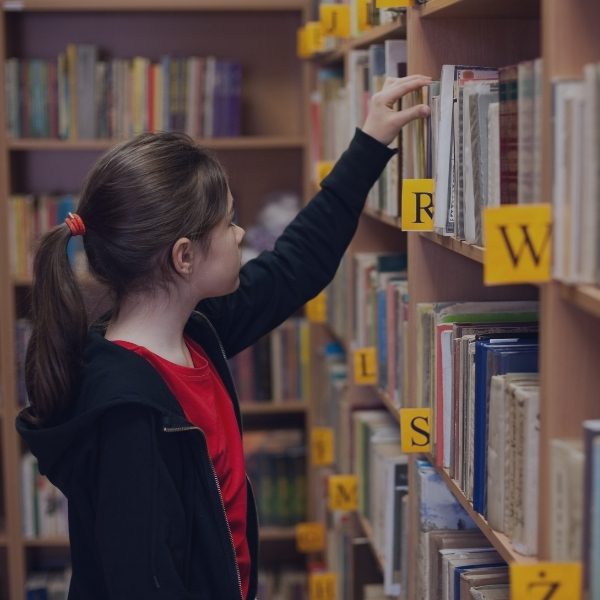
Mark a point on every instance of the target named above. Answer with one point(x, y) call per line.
point(481, 8)
point(237, 143)
point(271, 89)
point(153, 5)
point(489, 42)
point(570, 385)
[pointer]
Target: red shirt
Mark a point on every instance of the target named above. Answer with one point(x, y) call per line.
point(206, 404)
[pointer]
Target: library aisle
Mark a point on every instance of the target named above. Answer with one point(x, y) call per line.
point(428, 428)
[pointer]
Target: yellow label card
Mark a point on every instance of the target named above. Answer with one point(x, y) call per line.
point(545, 581)
point(335, 19)
point(321, 446)
point(392, 3)
point(365, 366)
point(362, 10)
point(310, 537)
point(314, 37)
point(322, 169)
point(417, 204)
point(302, 43)
point(415, 429)
point(316, 309)
point(518, 243)
point(321, 586)
point(343, 492)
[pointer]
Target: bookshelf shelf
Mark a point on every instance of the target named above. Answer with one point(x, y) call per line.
point(51, 542)
point(476, 8)
point(585, 297)
point(368, 531)
point(387, 402)
point(498, 540)
point(158, 5)
point(237, 143)
point(277, 534)
point(271, 408)
point(3, 540)
point(397, 29)
point(395, 222)
point(475, 253)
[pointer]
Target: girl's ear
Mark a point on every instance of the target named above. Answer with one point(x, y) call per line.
point(182, 255)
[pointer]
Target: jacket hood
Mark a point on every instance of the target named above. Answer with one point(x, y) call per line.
point(111, 376)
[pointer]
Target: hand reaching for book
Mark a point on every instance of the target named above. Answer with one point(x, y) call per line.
point(383, 121)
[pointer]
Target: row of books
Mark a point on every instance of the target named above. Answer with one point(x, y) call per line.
point(576, 177)
point(31, 216)
point(286, 583)
point(484, 148)
point(460, 347)
point(84, 95)
point(48, 585)
point(383, 484)
point(277, 367)
point(44, 507)
point(454, 560)
point(337, 108)
point(276, 465)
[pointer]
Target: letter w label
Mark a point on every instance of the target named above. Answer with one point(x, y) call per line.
point(518, 243)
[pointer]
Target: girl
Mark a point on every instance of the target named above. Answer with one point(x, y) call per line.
point(136, 418)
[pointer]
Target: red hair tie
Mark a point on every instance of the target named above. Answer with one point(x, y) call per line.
point(75, 224)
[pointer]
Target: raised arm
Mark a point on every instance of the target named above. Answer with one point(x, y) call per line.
point(306, 256)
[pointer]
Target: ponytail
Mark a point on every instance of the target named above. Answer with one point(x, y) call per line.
point(55, 352)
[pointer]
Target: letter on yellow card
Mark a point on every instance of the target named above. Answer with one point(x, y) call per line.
point(343, 492)
point(321, 446)
point(545, 581)
point(417, 204)
point(321, 586)
point(310, 537)
point(365, 366)
point(316, 309)
point(518, 244)
point(335, 19)
point(322, 169)
point(415, 429)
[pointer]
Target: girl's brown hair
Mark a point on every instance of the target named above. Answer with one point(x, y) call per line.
point(138, 199)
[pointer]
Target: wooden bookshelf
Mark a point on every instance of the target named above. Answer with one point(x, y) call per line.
point(273, 408)
point(395, 222)
point(376, 34)
point(470, 251)
point(270, 155)
point(585, 297)
point(451, 9)
point(441, 269)
point(155, 5)
point(497, 539)
point(368, 531)
point(238, 143)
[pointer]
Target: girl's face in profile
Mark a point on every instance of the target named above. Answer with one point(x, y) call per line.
point(217, 271)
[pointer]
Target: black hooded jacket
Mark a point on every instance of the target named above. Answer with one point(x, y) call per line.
point(146, 520)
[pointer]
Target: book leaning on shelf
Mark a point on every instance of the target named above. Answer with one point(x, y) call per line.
point(83, 95)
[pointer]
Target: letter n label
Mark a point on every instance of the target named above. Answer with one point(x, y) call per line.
point(518, 243)
point(417, 204)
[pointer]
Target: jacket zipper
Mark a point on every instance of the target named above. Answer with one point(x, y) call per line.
point(214, 473)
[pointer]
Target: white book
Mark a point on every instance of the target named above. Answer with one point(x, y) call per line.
point(493, 182)
point(566, 499)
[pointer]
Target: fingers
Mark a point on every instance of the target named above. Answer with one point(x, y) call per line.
point(394, 88)
point(410, 114)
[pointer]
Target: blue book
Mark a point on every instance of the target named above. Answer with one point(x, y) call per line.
point(494, 357)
